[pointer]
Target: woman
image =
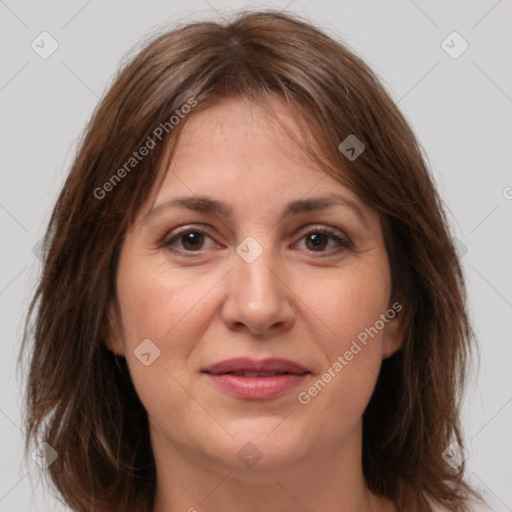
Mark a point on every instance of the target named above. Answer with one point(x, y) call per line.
point(250, 297)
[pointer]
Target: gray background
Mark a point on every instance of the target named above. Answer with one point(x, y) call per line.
point(459, 108)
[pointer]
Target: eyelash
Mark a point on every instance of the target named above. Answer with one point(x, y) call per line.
point(343, 243)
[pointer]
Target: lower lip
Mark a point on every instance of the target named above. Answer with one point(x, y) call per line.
point(256, 387)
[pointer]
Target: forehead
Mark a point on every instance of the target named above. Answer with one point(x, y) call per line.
point(238, 148)
point(238, 128)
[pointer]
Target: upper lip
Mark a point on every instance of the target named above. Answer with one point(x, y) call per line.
point(241, 364)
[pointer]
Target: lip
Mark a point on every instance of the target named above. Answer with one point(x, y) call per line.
point(287, 375)
point(272, 364)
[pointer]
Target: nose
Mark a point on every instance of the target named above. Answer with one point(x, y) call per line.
point(258, 299)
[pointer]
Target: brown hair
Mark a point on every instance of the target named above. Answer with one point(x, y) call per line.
point(80, 398)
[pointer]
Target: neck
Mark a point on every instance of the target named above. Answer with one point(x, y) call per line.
point(327, 480)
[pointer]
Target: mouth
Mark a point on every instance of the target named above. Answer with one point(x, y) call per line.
point(249, 374)
point(250, 379)
point(247, 367)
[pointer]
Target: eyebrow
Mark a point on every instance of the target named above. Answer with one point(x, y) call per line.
point(205, 204)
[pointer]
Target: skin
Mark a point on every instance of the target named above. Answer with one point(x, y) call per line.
point(297, 300)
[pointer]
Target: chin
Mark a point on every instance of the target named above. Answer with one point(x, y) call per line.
point(261, 445)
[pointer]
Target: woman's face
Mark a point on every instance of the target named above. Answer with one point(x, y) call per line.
point(291, 265)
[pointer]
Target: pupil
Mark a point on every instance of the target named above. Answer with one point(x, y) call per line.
point(191, 240)
point(318, 240)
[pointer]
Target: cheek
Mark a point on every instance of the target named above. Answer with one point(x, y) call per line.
point(155, 300)
point(347, 302)
point(158, 305)
point(172, 310)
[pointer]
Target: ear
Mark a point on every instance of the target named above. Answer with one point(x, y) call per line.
point(394, 330)
point(112, 332)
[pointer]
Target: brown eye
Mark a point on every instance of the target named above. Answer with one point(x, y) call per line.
point(325, 240)
point(187, 241)
point(316, 241)
point(192, 241)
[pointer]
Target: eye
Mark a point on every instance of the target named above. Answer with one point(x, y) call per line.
point(188, 240)
point(192, 239)
point(319, 238)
